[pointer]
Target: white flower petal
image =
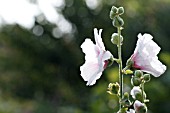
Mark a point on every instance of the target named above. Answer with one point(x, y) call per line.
point(88, 69)
point(145, 56)
point(90, 72)
point(156, 68)
point(89, 49)
point(107, 55)
point(131, 111)
point(95, 56)
point(146, 45)
point(137, 105)
point(135, 90)
point(98, 38)
point(93, 79)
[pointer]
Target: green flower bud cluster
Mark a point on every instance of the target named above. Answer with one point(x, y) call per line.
point(136, 80)
point(138, 93)
point(139, 97)
point(125, 103)
point(115, 16)
point(139, 78)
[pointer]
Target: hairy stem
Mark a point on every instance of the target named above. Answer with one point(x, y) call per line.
point(120, 65)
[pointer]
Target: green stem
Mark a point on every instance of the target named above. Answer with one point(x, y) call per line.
point(120, 65)
point(142, 88)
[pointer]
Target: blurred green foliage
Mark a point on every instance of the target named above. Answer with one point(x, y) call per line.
point(40, 74)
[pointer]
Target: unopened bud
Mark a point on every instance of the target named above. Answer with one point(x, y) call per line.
point(115, 38)
point(129, 63)
point(123, 110)
point(126, 95)
point(138, 73)
point(118, 21)
point(146, 77)
point(113, 88)
point(131, 111)
point(140, 107)
point(114, 9)
point(120, 10)
point(125, 101)
point(113, 12)
point(128, 71)
point(136, 93)
point(109, 62)
point(135, 81)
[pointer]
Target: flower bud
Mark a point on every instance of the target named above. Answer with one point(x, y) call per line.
point(135, 81)
point(109, 62)
point(131, 111)
point(113, 88)
point(129, 63)
point(117, 21)
point(113, 12)
point(128, 71)
point(146, 77)
point(122, 110)
point(138, 73)
point(114, 9)
point(115, 38)
point(140, 107)
point(126, 95)
point(120, 10)
point(136, 93)
point(125, 101)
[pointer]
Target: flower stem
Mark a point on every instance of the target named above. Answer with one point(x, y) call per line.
point(120, 65)
point(142, 88)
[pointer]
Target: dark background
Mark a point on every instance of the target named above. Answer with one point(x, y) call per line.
point(40, 74)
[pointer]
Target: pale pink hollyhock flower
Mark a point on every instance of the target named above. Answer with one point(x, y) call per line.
point(131, 111)
point(96, 58)
point(145, 56)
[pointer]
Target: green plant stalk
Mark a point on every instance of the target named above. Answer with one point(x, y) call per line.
point(120, 66)
point(142, 88)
